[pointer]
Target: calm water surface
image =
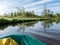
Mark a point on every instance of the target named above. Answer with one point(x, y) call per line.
point(44, 28)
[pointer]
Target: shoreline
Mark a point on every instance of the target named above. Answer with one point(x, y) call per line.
point(15, 21)
point(5, 21)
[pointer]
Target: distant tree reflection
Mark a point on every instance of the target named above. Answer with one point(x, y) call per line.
point(47, 24)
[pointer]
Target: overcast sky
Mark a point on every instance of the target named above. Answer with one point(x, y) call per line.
point(29, 5)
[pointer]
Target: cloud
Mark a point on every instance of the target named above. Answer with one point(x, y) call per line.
point(8, 5)
point(36, 3)
point(39, 7)
point(5, 6)
point(54, 7)
point(55, 4)
point(29, 5)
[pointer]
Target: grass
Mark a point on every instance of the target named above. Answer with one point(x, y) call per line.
point(4, 21)
point(12, 20)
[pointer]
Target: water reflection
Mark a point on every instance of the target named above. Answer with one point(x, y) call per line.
point(57, 21)
point(2, 27)
point(16, 28)
point(27, 24)
point(46, 24)
point(39, 26)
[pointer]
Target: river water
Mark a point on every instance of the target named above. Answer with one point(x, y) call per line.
point(45, 28)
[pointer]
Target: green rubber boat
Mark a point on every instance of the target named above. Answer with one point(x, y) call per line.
point(24, 39)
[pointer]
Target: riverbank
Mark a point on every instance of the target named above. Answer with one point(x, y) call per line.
point(4, 21)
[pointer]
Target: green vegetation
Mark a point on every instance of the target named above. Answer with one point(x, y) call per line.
point(48, 14)
point(21, 15)
point(18, 17)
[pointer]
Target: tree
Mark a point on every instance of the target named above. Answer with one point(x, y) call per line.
point(47, 13)
point(20, 11)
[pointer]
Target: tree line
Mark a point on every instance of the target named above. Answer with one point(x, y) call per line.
point(26, 14)
point(50, 14)
point(21, 13)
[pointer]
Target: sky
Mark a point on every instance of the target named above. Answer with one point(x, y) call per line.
point(7, 6)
